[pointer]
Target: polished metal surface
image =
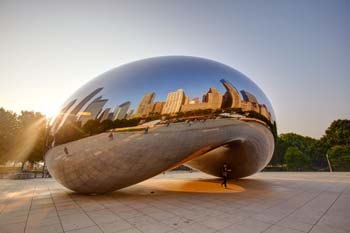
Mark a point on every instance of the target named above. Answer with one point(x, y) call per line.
point(140, 119)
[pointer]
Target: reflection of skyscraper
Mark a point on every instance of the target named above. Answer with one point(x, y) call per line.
point(174, 101)
point(92, 110)
point(213, 98)
point(84, 101)
point(121, 110)
point(231, 98)
point(249, 106)
point(265, 112)
point(62, 114)
point(105, 114)
point(146, 99)
point(153, 108)
point(158, 107)
point(129, 114)
point(247, 96)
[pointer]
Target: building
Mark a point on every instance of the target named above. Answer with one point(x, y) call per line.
point(121, 110)
point(249, 97)
point(174, 101)
point(158, 107)
point(153, 109)
point(82, 103)
point(92, 110)
point(265, 112)
point(105, 114)
point(146, 99)
point(231, 98)
point(129, 114)
point(250, 106)
point(211, 100)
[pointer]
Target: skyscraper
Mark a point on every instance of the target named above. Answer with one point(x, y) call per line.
point(92, 110)
point(146, 99)
point(231, 98)
point(213, 98)
point(105, 114)
point(84, 101)
point(121, 110)
point(249, 97)
point(174, 101)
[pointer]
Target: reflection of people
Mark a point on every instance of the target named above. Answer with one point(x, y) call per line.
point(224, 172)
point(110, 136)
point(146, 130)
point(66, 150)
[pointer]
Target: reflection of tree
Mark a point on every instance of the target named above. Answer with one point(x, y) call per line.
point(70, 131)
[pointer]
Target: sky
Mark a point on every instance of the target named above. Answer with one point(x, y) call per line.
point(297, 52)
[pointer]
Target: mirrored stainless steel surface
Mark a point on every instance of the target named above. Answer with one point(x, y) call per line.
point(148, 116)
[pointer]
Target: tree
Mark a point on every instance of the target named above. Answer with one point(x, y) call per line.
point(106, 125)
point(70, 131)
point(338, 133)
point(339, 157)
point(307, 145)
point(8, 132)
point(31, 137)
point(295, 159)
point(92, 127)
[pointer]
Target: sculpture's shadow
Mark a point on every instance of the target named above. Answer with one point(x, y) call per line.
point(169, 186)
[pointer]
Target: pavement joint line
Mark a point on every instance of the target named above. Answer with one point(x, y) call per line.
point(292, 212)
point(77, 203)
point(328, 208)
point(305, 194)
point(30, 207)
point(54, 203)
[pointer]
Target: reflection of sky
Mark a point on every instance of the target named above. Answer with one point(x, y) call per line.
point(163, 75)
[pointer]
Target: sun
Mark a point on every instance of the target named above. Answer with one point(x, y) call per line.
point(50, 111)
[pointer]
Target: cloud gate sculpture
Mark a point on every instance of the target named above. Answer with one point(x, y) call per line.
point(143, 118)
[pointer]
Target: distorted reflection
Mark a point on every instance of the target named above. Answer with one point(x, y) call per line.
point(166, 89)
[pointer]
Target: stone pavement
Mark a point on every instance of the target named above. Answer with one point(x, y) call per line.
point(183, 202)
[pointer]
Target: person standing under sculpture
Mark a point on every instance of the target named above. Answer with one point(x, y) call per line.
point(224, 172)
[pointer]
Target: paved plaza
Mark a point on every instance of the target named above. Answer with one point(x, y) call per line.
point(183, 202)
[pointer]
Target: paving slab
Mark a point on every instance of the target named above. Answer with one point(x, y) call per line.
point(183, 202)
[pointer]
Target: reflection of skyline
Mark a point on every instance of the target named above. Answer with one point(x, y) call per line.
point(181, 84)
point(176, 101)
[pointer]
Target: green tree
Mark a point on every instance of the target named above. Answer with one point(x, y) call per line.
point(30, 138)
point(295, 159)
point(339, 157)
point(92, 127)
point(338, 133)
point(70, 131)
point(8, 133)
